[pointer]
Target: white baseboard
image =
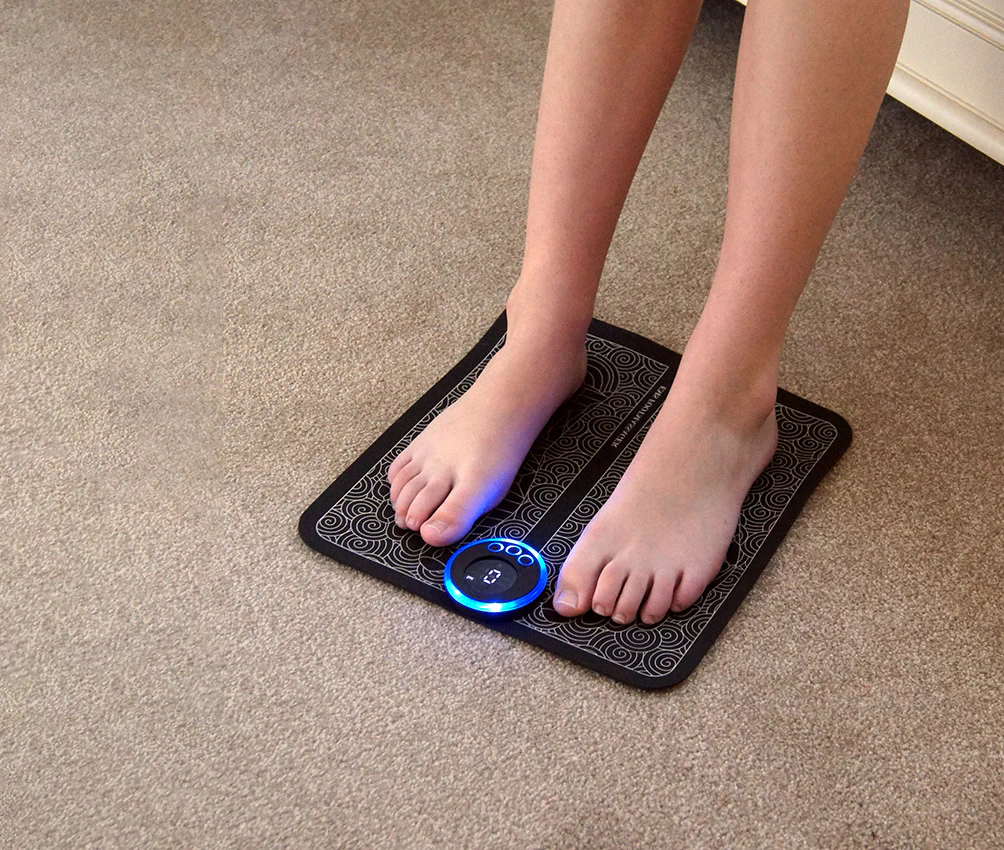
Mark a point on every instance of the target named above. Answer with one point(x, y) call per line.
point(951, 69)
point(961, 119)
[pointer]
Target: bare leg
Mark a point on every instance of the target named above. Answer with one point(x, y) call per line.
point(809, 82)
point(609, 66)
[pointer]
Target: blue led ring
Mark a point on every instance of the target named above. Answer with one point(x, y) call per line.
point(494, 546)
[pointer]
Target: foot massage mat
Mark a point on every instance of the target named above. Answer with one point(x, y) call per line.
point(568, 474)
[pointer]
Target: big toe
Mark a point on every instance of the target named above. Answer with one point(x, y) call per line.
point(453, 519)
point(690, 588)
point(573, 594)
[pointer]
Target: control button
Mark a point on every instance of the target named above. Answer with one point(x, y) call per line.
point(495, 547)
point(525, 559)
point(513, 550)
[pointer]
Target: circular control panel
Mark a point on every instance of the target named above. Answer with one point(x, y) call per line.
point(495, 575)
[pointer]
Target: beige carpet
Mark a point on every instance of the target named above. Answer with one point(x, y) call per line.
point(238, 239)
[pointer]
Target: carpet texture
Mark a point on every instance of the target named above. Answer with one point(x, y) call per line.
point(238, 240)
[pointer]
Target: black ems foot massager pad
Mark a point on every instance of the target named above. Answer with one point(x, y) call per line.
point(504, 571)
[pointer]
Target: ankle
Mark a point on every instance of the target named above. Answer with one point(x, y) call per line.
point(734, 359)
point(727, 388)
point(550, 308)
point(545, 345)
point(553, 362)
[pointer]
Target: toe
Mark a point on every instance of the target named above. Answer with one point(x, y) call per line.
point(689, 590)
point(608, 587)
point(631, 597)
point(402, 504)
point(428, 499)
point(403, 476)
point(454, 517)
point(399, 463)
point(660, 597)
point(573, 594)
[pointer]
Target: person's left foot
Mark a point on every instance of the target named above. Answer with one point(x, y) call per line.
point(463, 463)
point(663, 534)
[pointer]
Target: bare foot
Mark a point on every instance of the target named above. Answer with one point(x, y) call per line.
point(663, 534)
point(465, 460)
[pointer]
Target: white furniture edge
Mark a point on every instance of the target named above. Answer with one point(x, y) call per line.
point(953, 112)
point(958, 117)
point(983, 131)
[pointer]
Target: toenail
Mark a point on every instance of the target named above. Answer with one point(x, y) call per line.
point(436, 525)
point(620, 619)
point(566, 599)
point(601, 610)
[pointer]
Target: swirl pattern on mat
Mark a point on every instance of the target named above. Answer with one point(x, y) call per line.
point(618, 380)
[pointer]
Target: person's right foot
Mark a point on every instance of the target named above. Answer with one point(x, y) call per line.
point(662, 535)
point(465, 460)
